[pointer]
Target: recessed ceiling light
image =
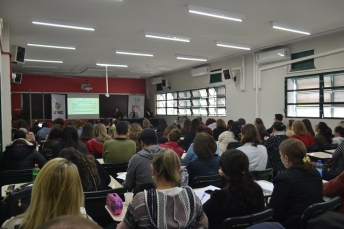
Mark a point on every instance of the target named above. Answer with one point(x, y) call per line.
point(195, 58)
point(46, 61)
point(288, 28)
point(233, 46)
point(113, 65)
point(167, 37)
point(31, 66)
point(62, 25)
point(134, 53)
point(51, 46)
point(214, 13)
point(160, 67)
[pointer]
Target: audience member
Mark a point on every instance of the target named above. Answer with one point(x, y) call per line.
point(324, 135)
point(87, 133)
point(162, 125)
point(70, 222)
point(308, 126)
point(335, 188)
point(242, 196)
point(21, 124)
point(149, 114)
point(134, 131)
point(45, 130)
point(186, 126)
point(211, 123)
point(78, 125)
point(338, 135)
point(91, 121)
point(289, 132)
point(139, 171)
point(341, 123)
point(120, 149)
point(96, 143)
point(233, 135)
point(298, 187)
point(262, 132)
point(229, 124)
point(118, 114)
point(167, 206)
point(177, 122)
point(21, 154)
point(164, 138)
point(220, 128)
point(69, 123)
point(242, 121)
point(258, 121)
point(173, 139)
point(278, 118)
point(55, 136)
point(256, 153)
point(335, 166)
point(146, 124)
point(57, 191)
point(206, 163)
point(107, 124)
point(35, 128)
point(133, 114)
point(59, 121)
point(93, 176)
point(189, 137)
point(301, 133)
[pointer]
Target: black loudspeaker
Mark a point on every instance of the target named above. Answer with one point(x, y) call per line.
point(18, 78)
point(227, 74)
point(18, 54)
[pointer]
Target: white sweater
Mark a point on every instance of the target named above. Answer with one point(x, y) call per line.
point(257, 156)
point(224, 139)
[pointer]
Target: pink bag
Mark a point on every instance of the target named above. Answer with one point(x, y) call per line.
point(114, 203)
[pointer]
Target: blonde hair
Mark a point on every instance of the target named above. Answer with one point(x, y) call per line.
point(134, 130)
point(166, 164)
point(220, 123)
point(181, 122)
point(57, 191)
point(146, 123)
point(99, 131)
point(78, 123)
point(299, 128)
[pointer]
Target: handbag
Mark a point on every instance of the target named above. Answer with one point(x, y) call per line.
point(114, 203)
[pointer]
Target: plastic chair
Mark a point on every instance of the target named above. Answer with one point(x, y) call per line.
point(204, 181)
point(115, 168)
point(246, 221)
point(317, 209)
point(311, 149)
point(265, 174)
point(330, 146)
point(233, 145)
point(95, 205)
point(15, 177)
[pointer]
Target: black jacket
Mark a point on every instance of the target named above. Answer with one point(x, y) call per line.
point(217, 132)
point(59, 146)
point(295, 190)
point(49, 146)
point(21, 154)
point(188, 139)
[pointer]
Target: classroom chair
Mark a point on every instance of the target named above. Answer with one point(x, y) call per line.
point(204, 181)
point(115, 168)
point(330, 146)
point(233, 145)
point(246, 221)
point(317, 209)
point(265, 174)
point(15, 177)
point(311, 149)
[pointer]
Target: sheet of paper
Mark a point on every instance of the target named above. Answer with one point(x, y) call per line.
point(267, 187)
point(202, 195)
point(122, 176)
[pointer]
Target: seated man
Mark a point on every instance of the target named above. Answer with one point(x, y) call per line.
point(44, 132)
point(133, 114)
point(173, 139)
point(120, 149)
point(278, 118)
point(139, 170)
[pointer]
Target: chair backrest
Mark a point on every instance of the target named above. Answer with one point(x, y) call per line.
point(160, 134)
point(265, 174)
point(95, 205)
point(317, 209)
point(204, 181)
point(15, 177)
point(233, 145)
point(276, 155)
point(311, 149)
point(115, 168)
point(246, 221)
point(330, 146)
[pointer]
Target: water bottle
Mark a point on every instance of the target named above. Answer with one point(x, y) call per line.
point(319, 167)
point(185, 177)
point(35, 172)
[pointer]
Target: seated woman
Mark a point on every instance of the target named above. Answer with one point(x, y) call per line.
point(298, 187)
point(338, 135)
point(220, 128)
point(207, 162)
point(173, 139)
point(309, 127)
point(93, 176)
point(241, 197)
point(147, 124)
point(164, 138)
point(57, 191)
point(256, 153)
point(301, 133)
point(55, 136)
point(134, 130)
point(86, 133)
point(233, 135)
point(289, 132)
point(96, 144)
point(335, 188)
point(324, 135)
point(167, 206)
point(333, 167)
point(185, 124)
point(190, 136)
point(262, 132)
point(162, 125)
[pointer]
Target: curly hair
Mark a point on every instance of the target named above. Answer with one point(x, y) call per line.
point(134, 130)
point(146, 123)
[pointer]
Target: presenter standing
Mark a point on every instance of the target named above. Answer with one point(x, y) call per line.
point(133, 114)
point(118, 114)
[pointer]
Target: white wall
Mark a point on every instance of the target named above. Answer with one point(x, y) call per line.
point(6, 119)
point(271, 96)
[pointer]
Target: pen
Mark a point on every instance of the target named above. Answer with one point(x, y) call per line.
point(202, 197)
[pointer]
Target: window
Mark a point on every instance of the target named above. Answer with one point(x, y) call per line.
point(303, 65)
point(315, 96)
point(198, 102)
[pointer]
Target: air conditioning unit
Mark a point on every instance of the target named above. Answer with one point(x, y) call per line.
point(157, 80)
point(273, 56)
point(201, 71)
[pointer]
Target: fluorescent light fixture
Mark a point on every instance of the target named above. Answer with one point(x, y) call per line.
point(62, 25)
point(113, 65)
point(46, 67)
point(51, 46)
point(142, 72)
point(46, 61)
point(167, 37)
point(214, 13)
point(98, 70)
point(289, 28)
point(41, 73)
point(233, 46)
point(195, 58)
point(160, 67)
point(134, 53)
point(280, 54)
point(87, 74)
point(132, 77)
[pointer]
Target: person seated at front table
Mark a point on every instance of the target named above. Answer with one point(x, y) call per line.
point(301, 133)
point(167, 206)
point(138, 172)
point(148, 113)
point(242, 196)
point(120, 149)
point(207, 162)
point(118, 114)
point(173, 139)
point(298, 187)
point(256, 153)
point(133, 114)
point(96, 143)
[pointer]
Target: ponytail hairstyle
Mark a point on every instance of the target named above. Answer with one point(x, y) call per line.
point(340, 130)
point(235, 166)
point(325, 131)
point(166, 165)
point(296, 152)
point(236, 129)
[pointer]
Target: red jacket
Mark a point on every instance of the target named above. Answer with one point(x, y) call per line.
point(173, 146)
point(335, 188)
point(94, 146)
point(308, 139)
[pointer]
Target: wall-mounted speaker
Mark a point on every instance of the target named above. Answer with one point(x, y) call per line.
point(16, 78)
point(18, 54)
point(227, 74)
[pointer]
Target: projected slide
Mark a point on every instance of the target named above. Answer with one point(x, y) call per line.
point(81, 106)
